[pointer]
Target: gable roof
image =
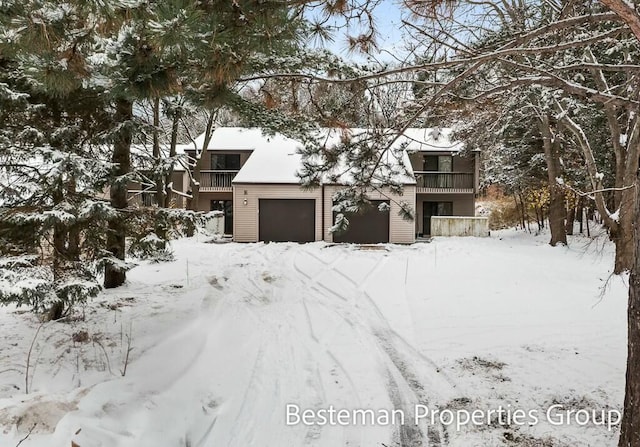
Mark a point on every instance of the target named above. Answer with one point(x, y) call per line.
point(276, 159)
point(229, 139)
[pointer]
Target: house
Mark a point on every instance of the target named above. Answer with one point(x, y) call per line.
point(142, 192)
point(253, 179)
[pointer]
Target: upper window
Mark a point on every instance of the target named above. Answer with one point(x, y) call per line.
point(439, 163)
point(225, 162)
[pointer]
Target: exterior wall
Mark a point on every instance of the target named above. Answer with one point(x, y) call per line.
point(460, 226)
point(400, 231)
point(177, 200)
point(463, 205)
point(177, 179)
point(461, 163)
point(205, 198)
point(476, 158)
point(244, 156)
point(206, 165)
point(245, 217)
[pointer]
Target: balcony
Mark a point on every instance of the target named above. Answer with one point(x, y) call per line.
point(216, 181)
point(139, 198)
point(444, 182)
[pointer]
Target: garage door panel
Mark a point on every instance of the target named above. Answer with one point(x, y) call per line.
point(287, 220)
point(369, 227)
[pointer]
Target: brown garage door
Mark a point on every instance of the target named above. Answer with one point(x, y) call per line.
point(287, 220)
point(370, 226)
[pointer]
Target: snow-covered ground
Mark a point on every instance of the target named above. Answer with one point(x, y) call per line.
point(224, 338)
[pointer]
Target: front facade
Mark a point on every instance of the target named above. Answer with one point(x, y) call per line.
point(446, 185)
point(252, 180)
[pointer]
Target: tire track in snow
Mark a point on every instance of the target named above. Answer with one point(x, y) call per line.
point(409, 435)
point(310, 282)
point(282, 356)
point(252, 379)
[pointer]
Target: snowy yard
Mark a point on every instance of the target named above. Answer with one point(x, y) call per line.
point(228, 335)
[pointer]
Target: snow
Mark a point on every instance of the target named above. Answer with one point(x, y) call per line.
point(243, 138)
point(229, 139)
point(222, 339)
point(422, 139)
point(276, 158)
point(615, 216)
point(623, 139)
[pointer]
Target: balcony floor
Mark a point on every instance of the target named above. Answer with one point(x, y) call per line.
point(216, 189)
point(422, 190)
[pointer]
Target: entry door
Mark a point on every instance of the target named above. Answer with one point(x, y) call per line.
point(226, 206)
point(430, 209)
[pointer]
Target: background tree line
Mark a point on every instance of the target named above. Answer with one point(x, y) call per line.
point(548, 85)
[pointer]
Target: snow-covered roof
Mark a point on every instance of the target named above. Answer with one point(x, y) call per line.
point(430, 139)
point(229, 139)
point(395, 163)
point(249, 138)
point(143, 154)
point(276, 159)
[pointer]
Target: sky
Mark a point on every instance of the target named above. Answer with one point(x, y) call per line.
point(388, 21)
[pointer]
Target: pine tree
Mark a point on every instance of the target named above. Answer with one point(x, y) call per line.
point(51, 218)
point(130, 53)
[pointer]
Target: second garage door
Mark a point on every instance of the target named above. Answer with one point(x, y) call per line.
point(368, 227)
point(287, 220)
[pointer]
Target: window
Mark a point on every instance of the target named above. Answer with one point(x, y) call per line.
point(439, 163)
point(445, 163)
point(225, 162)
point(444, 209)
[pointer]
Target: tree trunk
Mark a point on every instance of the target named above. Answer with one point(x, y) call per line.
point(624, 251)
point(56, 310)
point(73, 246)
point(522, 212)
point(622, 233)
point(157, 156)
point(160, 225)
point(556, 192)
point(581, 213)
point(200, 160)
point(630, 427)
point(172, 153)
point(571, 217)
point(116, 235)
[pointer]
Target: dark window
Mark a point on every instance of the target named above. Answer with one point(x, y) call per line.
point(225, 162)
point(440, 163)
point(445, 209)
point(430, 162)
